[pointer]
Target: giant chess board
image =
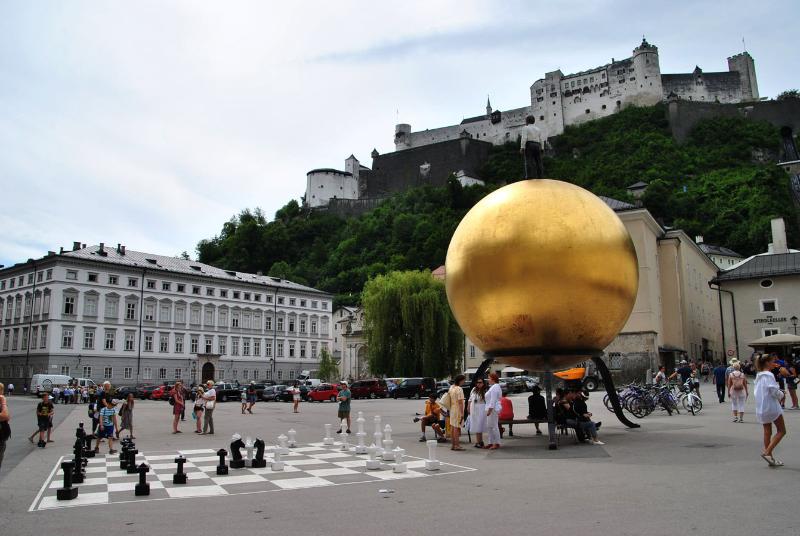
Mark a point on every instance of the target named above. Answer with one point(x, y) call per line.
point(313, 465)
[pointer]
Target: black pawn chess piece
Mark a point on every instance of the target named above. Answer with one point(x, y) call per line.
point(132, 461)
point(67, 493)
point(180, 476)
point(142, 488)
point(258, 460)
point(236, 450)
point(222, 468)
point(88, 451)
point(123, 457)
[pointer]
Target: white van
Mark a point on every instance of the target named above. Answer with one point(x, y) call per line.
point(45, 382)
point(313, 382)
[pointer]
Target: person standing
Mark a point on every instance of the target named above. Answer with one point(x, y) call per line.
point(661, 375)
point(737, 392)
point(768, 407)
point(10, 389)
point(56, 392)
point(210, 398)
point(5, 419)
point(720, 381)
point(531, 146)
point(251, 397)
point(477, 412)
point(791, 381)
point(344, 406)
point(179, 403)
point(126, 416)
point(456, 396)
point(243, 396)
point(199, 402)
point(296, 397)
point(44, 420)
point(493, 408)
point(108, 422)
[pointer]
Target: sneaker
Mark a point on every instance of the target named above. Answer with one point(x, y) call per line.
point(596, 442)
point(348, 430)
point(112, 451)
point(441, 440)
point(422, 439)
point(736, 419)
point(538, 432)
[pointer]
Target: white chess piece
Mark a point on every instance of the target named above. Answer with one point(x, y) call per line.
point(292, 438)
point(432, 464)
point(282, 441)
point(373, 463)
point(399, 466)
point(388, 453)
point(328, 439)
point(361, 448)
point(344, 437)
point(277, 464)
point(377, 436)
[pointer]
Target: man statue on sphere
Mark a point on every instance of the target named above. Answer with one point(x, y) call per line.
point(531, 146)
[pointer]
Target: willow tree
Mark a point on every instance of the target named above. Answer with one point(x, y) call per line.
point(409, 327)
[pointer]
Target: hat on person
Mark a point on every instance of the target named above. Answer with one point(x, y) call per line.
point(683, 362)
point(344, 383)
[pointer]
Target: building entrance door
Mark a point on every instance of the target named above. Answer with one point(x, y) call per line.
point(208, 372)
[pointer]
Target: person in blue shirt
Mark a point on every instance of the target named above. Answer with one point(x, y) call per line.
point(720, 374)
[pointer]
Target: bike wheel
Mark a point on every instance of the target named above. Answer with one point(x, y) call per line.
point(698, 406)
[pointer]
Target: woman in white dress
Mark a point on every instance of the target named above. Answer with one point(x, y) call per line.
point(477, 412)
point(768, 406)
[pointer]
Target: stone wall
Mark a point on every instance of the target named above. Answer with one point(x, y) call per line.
point(683, 114)
point(630, 355)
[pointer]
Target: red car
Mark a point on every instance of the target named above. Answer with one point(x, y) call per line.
point(161, 392)
point(369, 389)
point(322, 392)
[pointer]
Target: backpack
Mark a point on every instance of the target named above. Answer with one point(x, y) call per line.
point(737, 381)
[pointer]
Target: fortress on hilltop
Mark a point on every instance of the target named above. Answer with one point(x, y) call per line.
point(431, 156)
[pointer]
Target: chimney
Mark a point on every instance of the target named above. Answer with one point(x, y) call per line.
point(779, 236)
point(61, 250)
point(122, 250)
point(259, 273)
point(698, 239)
point(102, 247)
point(76, 246)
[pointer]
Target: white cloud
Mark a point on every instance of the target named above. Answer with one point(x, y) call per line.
point(152, 123)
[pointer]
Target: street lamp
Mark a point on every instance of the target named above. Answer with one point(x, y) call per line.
point(793, 320)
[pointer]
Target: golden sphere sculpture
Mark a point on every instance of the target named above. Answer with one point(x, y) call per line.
point(541, 274)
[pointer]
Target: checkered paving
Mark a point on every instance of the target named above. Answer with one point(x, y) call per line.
point(313, 465)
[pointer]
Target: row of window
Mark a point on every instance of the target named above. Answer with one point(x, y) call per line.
point(163, 373)
point(20, 281)
point(17, 338)
point(244, 346)
point(13, 309)
point(197, 290)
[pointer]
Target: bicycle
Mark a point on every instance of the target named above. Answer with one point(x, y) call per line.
point(691, 401)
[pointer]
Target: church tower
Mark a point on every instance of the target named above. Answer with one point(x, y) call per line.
point(488, 106)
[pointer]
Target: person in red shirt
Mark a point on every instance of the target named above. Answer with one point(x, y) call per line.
point(506, 412)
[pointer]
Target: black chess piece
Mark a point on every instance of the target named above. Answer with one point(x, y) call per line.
point(180, 476)
point(258, 460)
point(142, 488)
point(67, 493)
point(236, 450)
point(131, 468)
point(88, 451)
point(77, 469)
point(222, 468)
point(123, 456)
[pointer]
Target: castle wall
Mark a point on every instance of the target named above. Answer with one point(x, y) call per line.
point(684, 114)
point(324, 184)
point(722, 87)
point(480, 128)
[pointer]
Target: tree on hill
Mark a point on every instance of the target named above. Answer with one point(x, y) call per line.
point(788, 94)
point(409, 327)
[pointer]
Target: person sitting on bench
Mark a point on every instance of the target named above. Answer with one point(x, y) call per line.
point(433, 414)
point(584, 417)
point(537, 409)
point(566, 416)
point(506, 412)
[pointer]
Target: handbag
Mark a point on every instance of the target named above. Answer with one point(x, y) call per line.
point(445, 401)
point(5, 431)
point(172, 401)
point(210, 404)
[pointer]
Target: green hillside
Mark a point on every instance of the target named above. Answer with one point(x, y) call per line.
point(722, 183)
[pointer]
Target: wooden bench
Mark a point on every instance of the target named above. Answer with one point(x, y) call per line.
point(511, 424)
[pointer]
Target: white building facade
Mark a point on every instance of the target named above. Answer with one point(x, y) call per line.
point(132, 317)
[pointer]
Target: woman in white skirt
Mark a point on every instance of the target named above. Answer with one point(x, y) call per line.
point(737, 392)
point(477, 412)
point(493, 396)
point(768, 407)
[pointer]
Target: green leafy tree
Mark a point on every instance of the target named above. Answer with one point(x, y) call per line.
point(409, 327)
point(788, 94)
point(328, 371)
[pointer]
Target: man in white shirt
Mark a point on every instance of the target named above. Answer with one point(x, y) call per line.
point(531, 145)
point(210, 397)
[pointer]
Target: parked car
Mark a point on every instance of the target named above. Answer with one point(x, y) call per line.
point(369, 389)
point(271, 392)
point(259, 389)
point(122, 393)
point(287, 396)
point(415, 388)
point(161, 392)
point(145, 392)
point(444, 384)
point(228, 391)
point(322, 392)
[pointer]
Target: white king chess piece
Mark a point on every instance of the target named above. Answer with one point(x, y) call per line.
point(361, 448)
point(328, 440)
point(377, 437)
point(282, 441)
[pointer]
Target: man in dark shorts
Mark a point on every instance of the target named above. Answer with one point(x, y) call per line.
point(44, 420)
point(344, 406)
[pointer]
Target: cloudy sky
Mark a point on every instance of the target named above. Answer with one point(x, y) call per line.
point(150, 123)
